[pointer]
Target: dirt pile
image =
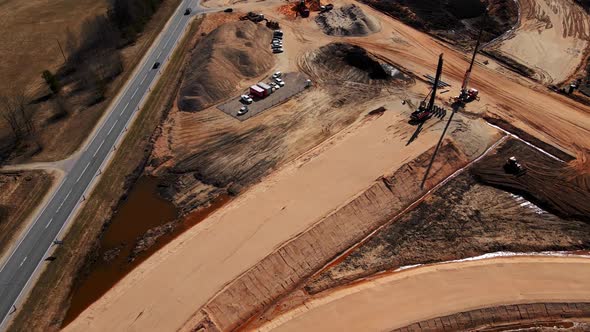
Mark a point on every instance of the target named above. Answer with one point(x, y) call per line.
point(462, 219)
point(457, 20)
point(348, 20)
point(557, 187)
point(342, 62)
point(221, 61)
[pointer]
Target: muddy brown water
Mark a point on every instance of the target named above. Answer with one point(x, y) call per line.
point(142, 210)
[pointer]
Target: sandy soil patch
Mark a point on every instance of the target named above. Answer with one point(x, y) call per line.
point(348, 20)
point(457, 287)
point(552, 39)
point(281, 207)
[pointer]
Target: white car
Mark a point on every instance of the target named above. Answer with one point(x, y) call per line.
point(281, 83)
point(275, 85)
point(277, 74)
point(277, 50)
point(278, 80)
point(243, 110)
point(246, 99)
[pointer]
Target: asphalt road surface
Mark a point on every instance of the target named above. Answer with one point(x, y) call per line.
point(31, 251)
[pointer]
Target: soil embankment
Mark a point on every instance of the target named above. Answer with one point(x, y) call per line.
point(287, 267)
point(540, 317)
point(456, 20)
point(230, 54)
point(466, 218)
point(457, 287)
point(143, 223)
point(348, 20)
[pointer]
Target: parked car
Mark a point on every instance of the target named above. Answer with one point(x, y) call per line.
point(274, 41)
point(277, 50)
point(277, 74)
point(275, 85)
point(278, 80)
point(277, 33)
point(246, 99)
point(188, 11)
point(243, 110)
point(281, 83)
point(228, 10)
point(156, 65)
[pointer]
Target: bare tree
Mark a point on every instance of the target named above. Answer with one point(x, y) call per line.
point(18, 114)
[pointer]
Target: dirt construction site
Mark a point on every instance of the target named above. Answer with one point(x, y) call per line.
point(340, 212)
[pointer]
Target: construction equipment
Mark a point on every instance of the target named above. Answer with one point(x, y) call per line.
point(425, 111)
point(302, 9)
point(468, 95)
point(254, 17)
point(512, 166)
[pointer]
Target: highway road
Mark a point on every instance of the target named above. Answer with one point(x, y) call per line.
point(32, 250)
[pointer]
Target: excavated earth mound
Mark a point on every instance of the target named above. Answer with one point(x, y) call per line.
point(349, 20)
point(561, 188)
point(458, 20)
point(229, 54)
point(342, 62)
point(467, 218)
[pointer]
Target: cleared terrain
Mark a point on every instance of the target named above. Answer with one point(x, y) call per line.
point(328, 165)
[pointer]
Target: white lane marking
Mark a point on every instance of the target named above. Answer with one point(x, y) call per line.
point(124, 108)
point(98, 149)
point(83, 172)
point(143, 80)
point(62, 203)
point(159, 54)
point(49, 223)
point(134, 93)
point(114, 124)
point(21, 263)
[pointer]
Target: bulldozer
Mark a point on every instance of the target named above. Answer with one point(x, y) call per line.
point(512, 166)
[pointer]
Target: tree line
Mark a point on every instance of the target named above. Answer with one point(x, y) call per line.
point(93, 61)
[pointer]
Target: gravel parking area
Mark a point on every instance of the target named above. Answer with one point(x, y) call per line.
point(294, 83)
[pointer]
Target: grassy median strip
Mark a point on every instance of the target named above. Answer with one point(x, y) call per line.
point(48, 301)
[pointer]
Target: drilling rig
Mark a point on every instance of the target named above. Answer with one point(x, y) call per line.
point(469, 94)
point(425, 111)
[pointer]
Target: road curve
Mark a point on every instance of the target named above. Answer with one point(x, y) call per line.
point(32, 249)
point(399, 299)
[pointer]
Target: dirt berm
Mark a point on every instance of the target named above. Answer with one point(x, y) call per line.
point(228, 55)
point(466, 218)
point(348, 20)
point(286, 268)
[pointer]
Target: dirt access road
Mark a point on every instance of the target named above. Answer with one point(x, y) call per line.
point(369, 305)
point(551, 39)
point(251, 226)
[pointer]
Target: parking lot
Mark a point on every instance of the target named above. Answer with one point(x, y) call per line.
point(294, 83)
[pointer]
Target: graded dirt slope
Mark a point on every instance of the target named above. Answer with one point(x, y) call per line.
point(551, 39)
point(348, 20)
point(370, 306)
point(220, 62)
point(465, 218)
point(250, 227)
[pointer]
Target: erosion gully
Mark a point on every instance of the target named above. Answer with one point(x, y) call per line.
point(143, 210)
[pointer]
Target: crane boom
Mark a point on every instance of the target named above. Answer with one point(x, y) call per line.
point(468, 72)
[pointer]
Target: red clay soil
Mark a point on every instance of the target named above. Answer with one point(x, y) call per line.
point(560, 188)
